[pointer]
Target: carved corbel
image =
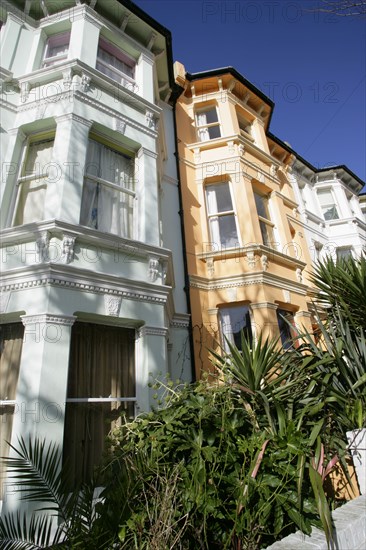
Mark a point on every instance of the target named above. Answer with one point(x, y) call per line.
point(85, 83)
point(42, 244)
point(68, 244)
point(210, 266)
point(153, 270)
point(264, 262)
point(251, 259)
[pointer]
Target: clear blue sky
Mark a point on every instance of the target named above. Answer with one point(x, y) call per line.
point(313, 65)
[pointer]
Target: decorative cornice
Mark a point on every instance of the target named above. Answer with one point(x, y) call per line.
point(87, 284)
point(263, 305)
point(153, 331)
point(259, 278)
point(181, 320)
point(48, 318)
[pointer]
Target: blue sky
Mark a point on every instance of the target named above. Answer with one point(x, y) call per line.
point(313, 65)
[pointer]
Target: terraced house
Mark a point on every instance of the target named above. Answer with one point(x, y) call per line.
point(92, 267)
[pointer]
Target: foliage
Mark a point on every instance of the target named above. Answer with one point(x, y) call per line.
point(231, 463)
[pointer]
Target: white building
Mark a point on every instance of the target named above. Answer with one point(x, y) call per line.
point(92, 288)
point(330, 207)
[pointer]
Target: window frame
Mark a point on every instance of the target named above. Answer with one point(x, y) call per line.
point(202, 127)
point(100, 181)
point(211, 217)
point(287, 340)
point(113, 50)
point(24, 177)
point(230, 335)
point(328, 206)
point(48, 61)
point(266, 221)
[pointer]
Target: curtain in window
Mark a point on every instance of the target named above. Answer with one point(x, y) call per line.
point(11, 341)
point(212, 209)
point(233, 321)
point(103, 207)
point(101, 365)
point(32, 191)
point(203, 133)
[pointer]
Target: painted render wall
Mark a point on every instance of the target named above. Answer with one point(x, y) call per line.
point(55, 271)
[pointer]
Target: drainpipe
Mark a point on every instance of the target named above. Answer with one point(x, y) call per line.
point(176, 92)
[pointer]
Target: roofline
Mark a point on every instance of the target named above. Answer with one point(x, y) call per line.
point(235, 74)
point(311, 166)
point(158, 27)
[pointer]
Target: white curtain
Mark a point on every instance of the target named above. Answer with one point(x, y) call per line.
point(233, 321)
point(103, 207)
point(213, 220)
point(32, 193)
point(203, 133)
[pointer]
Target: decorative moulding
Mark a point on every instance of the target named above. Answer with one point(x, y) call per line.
point(153, 331)
point(112, 305)
point(48, 318)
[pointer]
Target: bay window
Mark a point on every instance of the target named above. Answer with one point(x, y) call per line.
point(101, 388)
point(266, 226)
point(57, 47)
point(108, 194)
point(328, 204)
point(234, 321)
point(208, 126)
point(221, 216)
point(116, 64)
point(32, 183)
point(11, 342)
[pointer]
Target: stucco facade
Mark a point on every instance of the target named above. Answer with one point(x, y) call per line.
point(89, 209)
point(331, 210)
point(245, 244)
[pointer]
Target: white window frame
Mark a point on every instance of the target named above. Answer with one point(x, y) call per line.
point(329, 205)
point(106, 68)
point(203, 129)
point(120, 189)
point(214, 216)
point(63, 39)
point(24, 177)
point(267, 221)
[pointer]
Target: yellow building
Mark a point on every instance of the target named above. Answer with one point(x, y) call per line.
point(246, 251)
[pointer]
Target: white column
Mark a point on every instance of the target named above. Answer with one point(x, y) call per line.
point(9, 174)
point(343, 205)
point(151, 363)
point(147, 218)
point(65, 181)
point(145, 77)
point(11, 32)
point(37, 50)
point(84, 39)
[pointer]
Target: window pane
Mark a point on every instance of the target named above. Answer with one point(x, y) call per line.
point(227, 229)
point(286, 332)
point(267, 233)
point(344, 253)
point(325, 197)
point(32, 192)
point(262, 206)
point(214, 132)
point(219, 198)
point(233, 321)
point(330, 213)
point(208, 117)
